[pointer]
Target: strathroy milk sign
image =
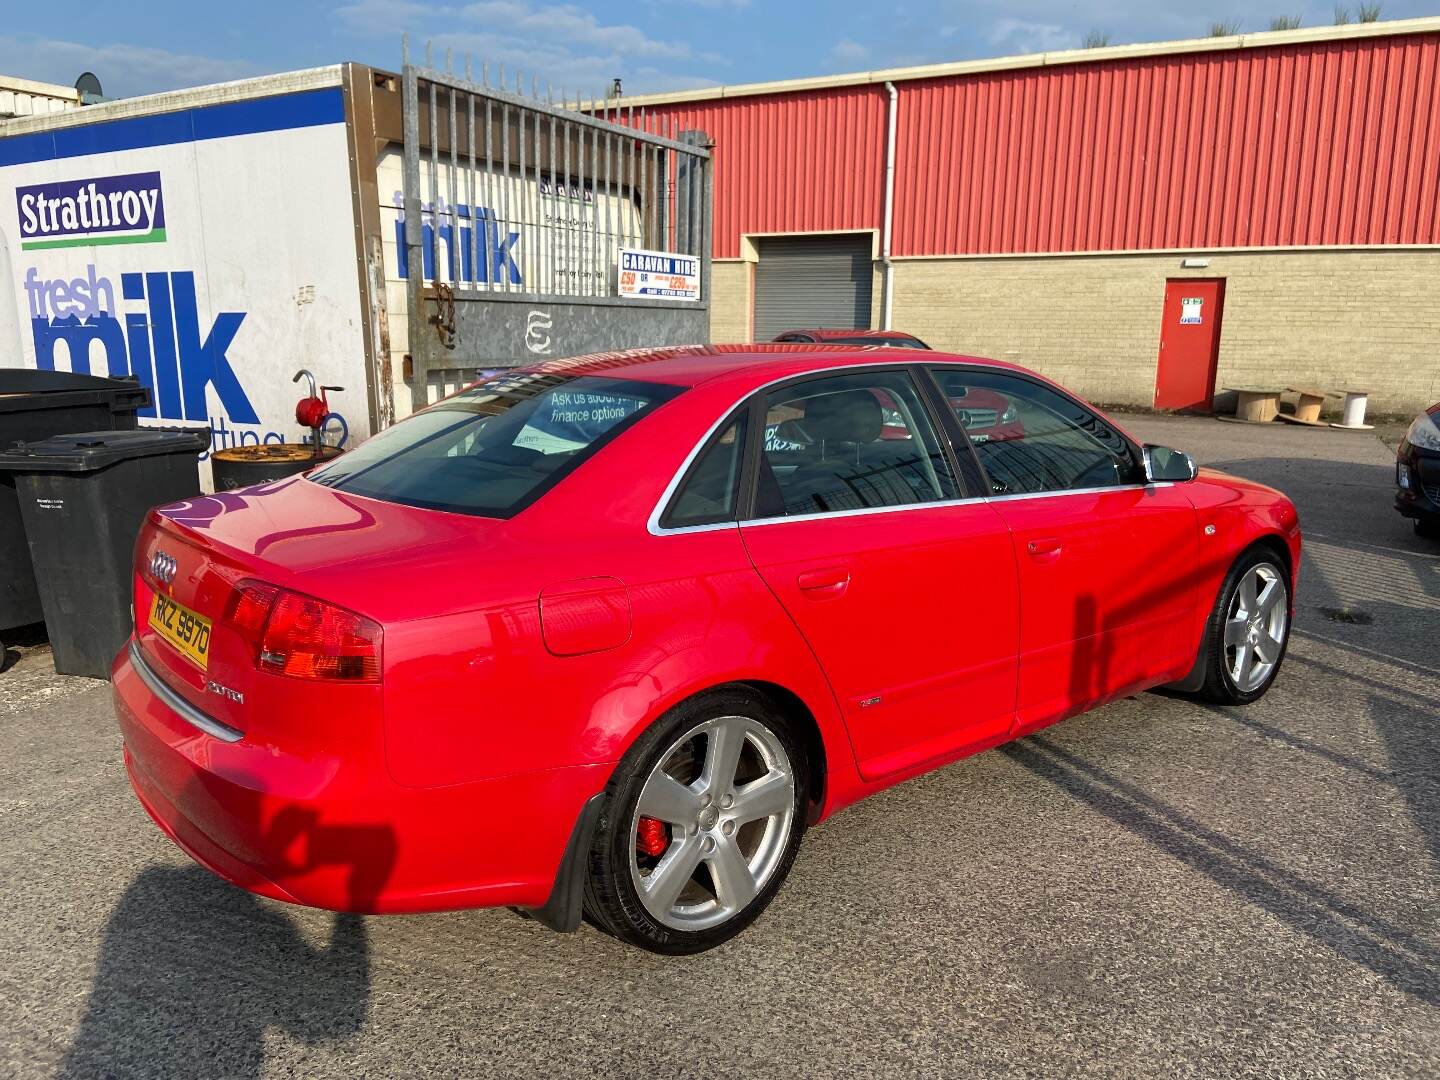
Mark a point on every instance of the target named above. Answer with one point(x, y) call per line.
point(96, 210)
point(172, 247)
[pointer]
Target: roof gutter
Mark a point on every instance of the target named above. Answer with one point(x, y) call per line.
point(888, 268)
point(1318, 35)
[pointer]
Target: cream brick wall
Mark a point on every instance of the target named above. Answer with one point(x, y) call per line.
point(730, 301)
point(1336, 319)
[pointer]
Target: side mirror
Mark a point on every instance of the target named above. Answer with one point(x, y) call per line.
point(1164, 465)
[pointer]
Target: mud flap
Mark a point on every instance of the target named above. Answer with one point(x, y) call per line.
point(562, 911)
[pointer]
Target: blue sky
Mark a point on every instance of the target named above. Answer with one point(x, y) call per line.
point(142, 47)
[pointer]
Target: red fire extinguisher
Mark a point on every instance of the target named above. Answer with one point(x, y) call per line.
point(311, 411)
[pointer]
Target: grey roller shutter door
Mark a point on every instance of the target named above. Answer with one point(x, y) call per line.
point(812, 281)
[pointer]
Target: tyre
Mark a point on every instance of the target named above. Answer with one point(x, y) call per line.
point(1248, 631)
point(702, 821)
point(1428, 527)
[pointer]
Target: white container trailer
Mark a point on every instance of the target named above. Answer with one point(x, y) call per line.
point(213, 241)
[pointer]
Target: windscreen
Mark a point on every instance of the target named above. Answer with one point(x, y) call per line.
point(496, 447)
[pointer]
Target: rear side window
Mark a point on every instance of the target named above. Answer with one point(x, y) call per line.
point(496, 447)
point(711, 489)
point(849, 442)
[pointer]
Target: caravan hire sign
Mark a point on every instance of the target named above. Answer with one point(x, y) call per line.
point(96, 210)
point(658, 275)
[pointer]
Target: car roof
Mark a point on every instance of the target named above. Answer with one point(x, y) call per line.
point(691, 365)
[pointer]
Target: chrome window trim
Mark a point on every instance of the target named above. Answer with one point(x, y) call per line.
point(187, 712)
point(932, 505)
point(654, 527)
point(1080, 491)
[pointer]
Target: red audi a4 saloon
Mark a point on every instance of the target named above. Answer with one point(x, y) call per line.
point(582, 640)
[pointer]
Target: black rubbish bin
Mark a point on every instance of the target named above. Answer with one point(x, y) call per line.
point(35, 405)
point(83, 498)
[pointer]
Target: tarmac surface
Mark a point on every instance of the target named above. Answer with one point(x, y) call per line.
point(1157, 887)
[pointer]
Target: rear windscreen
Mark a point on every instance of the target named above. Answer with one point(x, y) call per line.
point(496, 447)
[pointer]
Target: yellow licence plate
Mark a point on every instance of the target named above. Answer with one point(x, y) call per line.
point(181, 627)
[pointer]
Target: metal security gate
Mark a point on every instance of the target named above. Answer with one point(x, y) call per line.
point(516, 211)
point(812, 281)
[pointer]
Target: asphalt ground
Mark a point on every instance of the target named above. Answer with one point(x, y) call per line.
point(1155, 888)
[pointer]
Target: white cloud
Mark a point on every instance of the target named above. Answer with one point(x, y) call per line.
point(1023, 26)
point(380, 17)
point(1013, 36)
point(124, 70)
point(845, 51)
point(561, 43)
point(572, 25)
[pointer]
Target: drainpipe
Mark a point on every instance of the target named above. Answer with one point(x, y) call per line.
point(887, 303)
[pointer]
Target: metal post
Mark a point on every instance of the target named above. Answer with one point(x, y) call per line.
point(475, 223)
point(504, 226)
point(491, 202)
point(595, 288)
point(553, 245)
point(571, 280)
point(414, 233)
point(454, 186)
point(533, 194)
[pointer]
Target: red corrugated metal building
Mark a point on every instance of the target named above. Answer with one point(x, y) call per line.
point(1059, 209)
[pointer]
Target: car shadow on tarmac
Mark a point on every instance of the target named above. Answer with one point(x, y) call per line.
point(1360, 936)
point(1393, 672)
point(1363, 561)
point(193, 971)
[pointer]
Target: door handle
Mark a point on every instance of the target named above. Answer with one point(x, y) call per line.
point(824, 583)
point(1044, 548)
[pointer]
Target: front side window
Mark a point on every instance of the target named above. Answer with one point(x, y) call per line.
point(1031, 439)
point(849, 442)
point(496, 447)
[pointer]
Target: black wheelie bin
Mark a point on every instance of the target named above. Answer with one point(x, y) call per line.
point(35, 405)
point(83, 499)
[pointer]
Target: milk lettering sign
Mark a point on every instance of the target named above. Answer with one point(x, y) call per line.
point(658, 274)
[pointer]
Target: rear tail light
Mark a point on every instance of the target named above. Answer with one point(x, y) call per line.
point(297, 635)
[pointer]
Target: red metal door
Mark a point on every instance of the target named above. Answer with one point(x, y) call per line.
point(1189, 344)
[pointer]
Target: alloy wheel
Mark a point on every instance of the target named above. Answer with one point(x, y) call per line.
point(712, 823)
point(1255, 627)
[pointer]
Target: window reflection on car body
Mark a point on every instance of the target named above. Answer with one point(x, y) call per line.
point(1053, 443)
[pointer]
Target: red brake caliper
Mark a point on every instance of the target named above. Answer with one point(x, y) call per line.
point(651, 837)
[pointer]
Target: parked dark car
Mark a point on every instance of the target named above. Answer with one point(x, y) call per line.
point(890, 339)
point(1417, 474)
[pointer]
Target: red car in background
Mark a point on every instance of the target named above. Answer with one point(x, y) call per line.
point(893, 339)
point(582, 638)
point(985, 415)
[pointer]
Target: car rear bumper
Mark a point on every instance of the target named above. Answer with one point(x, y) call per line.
point(336, 831)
